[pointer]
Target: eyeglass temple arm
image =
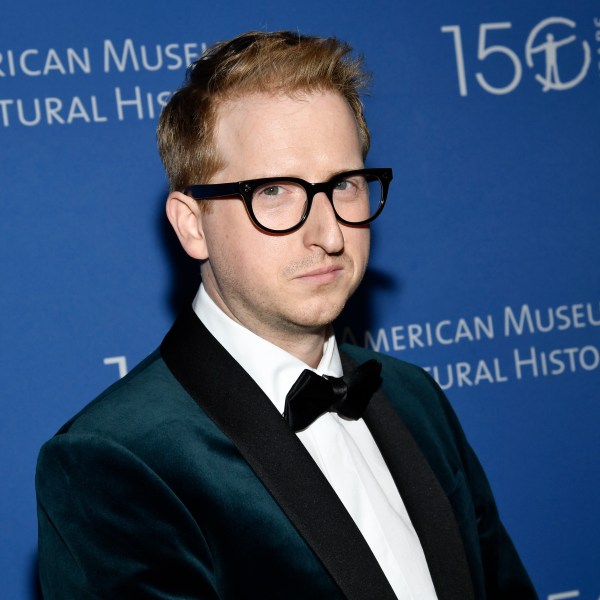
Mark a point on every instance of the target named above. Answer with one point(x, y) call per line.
point(213, 190)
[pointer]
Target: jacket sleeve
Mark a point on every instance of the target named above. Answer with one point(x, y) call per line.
point(503, 573)
point(496, 568)
point(109, 527)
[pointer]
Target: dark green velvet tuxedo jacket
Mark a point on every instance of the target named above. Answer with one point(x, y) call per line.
point(183, 481)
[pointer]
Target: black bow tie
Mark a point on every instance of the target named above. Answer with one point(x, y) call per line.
point(348, 396)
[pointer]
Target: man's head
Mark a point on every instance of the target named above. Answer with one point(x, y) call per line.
point(256, 62)
point(270, 106)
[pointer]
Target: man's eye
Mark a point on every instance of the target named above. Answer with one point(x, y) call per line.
point(272, 190)
point(355, 185)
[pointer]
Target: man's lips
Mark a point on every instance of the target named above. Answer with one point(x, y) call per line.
point(321, 275)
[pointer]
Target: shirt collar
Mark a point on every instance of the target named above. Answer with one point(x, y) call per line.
point(273, 369)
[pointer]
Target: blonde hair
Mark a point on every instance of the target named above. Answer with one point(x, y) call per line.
point(254, 62)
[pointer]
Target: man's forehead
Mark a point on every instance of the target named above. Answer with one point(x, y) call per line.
point(262, 114)
point(263, 135)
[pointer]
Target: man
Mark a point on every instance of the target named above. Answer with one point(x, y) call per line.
point(205, 473)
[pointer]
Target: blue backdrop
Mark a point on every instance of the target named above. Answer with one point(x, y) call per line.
point(484, 266)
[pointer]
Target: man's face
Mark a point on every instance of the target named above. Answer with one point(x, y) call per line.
point(282, 286)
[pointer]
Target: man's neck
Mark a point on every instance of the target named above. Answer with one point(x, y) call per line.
point(304, 343)
point(308, 347)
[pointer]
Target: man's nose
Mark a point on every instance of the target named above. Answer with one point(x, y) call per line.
point(322, 227)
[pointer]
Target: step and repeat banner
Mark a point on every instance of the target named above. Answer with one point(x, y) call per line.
point(485, 262)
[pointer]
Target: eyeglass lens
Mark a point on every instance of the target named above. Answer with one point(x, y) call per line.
point(280, 205)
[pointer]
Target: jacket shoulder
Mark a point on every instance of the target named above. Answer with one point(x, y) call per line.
point(143, 400)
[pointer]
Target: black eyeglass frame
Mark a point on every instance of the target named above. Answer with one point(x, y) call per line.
point(245, 190)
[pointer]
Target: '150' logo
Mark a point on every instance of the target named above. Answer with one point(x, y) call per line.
point(542, 48)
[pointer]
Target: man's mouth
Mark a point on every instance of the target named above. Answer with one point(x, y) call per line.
point(321, 275)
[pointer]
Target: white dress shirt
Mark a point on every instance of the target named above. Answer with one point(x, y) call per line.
point(344, 451)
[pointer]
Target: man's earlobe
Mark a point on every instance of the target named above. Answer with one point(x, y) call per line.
point(185, 217)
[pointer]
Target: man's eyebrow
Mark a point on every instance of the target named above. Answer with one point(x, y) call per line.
point(292, 175)
point(331, 174)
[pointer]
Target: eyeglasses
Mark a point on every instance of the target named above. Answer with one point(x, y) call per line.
point(282, 204)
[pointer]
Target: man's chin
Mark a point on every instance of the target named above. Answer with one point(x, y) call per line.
point(315, 318)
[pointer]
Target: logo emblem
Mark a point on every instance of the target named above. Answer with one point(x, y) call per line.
point(549, 48)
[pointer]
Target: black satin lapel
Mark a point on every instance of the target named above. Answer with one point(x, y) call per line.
point(214, 379)
point(427, 505)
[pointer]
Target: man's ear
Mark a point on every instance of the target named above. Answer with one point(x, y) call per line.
point(185, 216)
